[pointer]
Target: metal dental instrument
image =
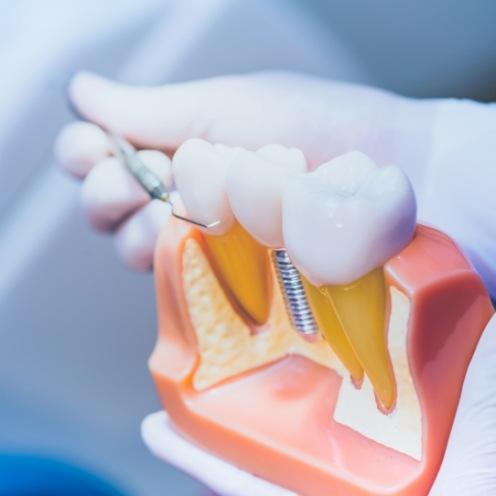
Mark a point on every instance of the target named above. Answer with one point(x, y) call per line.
point(126, 153)
point(299, 311)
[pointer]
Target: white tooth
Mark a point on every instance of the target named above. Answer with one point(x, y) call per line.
point(200, 171)
point(288, 157)
point(346, 218)
point(254, 183)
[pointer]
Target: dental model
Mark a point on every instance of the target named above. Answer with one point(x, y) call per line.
point(365, 407)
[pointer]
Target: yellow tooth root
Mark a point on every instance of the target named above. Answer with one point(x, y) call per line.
point(242, 266)
point(361, 309)
point(332, 330)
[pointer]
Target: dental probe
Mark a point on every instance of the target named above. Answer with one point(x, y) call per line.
point(126, 153)
point(299, 311)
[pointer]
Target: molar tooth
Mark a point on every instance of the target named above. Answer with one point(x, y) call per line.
point(240, 263)
point(341, 223)
point(346, 218)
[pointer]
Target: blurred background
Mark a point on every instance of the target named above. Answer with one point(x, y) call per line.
point(76, 327)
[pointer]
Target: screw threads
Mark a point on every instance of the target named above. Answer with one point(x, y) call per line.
point(295, 299)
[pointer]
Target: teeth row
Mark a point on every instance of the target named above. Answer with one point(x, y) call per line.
point(338, 222)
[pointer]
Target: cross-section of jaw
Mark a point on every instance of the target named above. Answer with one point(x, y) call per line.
point(342, 222)
point(276, 405)
point(239, 261)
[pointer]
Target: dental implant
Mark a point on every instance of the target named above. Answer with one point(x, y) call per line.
point(299, 312)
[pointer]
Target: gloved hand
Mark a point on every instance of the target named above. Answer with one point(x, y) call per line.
point(446, 147)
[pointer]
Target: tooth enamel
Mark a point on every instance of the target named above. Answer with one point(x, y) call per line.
point(200, 171)
point(255, 181)
point(347, 218)
point(240, 263)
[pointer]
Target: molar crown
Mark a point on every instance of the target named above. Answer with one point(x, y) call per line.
point(346, 218)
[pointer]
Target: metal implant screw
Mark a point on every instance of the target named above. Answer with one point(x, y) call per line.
point(295, 299)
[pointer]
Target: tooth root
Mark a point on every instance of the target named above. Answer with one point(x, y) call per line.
point(242, 266)
point(361, 309)
point(332, 330)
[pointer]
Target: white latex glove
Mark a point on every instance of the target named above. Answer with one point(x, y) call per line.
point(447, 148)
point(220, 476)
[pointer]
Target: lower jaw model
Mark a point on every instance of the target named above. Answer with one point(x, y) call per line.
point(367, 405)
